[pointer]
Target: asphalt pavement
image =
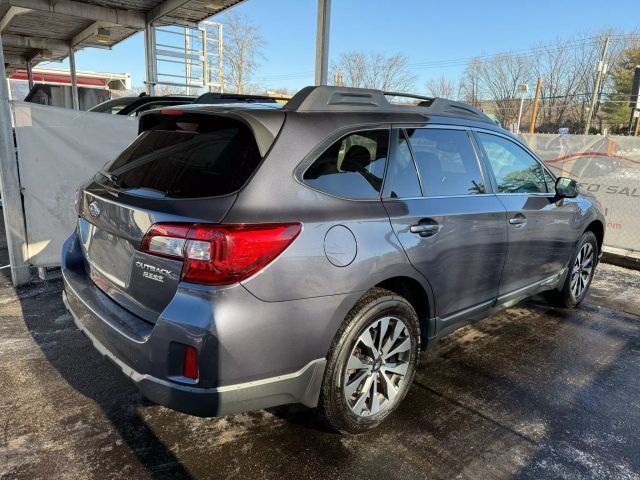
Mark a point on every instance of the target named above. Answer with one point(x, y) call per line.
point(533, 392)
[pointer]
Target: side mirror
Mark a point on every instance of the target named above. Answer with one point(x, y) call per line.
point(566, 187)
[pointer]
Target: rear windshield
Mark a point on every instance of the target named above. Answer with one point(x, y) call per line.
point(185, 158)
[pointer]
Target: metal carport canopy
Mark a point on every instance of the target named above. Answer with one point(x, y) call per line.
point(32, 31)
point(40, 30)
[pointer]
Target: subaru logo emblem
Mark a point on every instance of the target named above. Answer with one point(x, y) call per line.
point(94, 209)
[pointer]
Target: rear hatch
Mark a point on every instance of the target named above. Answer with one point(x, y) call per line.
point(185, 167)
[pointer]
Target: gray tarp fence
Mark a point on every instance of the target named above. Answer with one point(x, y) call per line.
point(58, 149)
point(608, 167)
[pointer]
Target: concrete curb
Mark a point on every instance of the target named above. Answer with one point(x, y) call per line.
point(621, 257)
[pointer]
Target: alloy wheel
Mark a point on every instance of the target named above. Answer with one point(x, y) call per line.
point(582, 270)
point(377, 366)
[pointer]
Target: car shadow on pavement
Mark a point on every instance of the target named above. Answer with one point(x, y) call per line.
point(533, 392)
point(96, 378)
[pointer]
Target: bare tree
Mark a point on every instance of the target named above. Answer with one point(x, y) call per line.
point(470, 83)
point(374, 70)
point(500, 76)
point(242, 48)
point(561, 78)
point(443, 87)
point(567, 68)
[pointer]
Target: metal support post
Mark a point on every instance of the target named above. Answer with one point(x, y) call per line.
point(30, 74)
point(12, 210)
point(150, 58)
point(523, 89)
point(74, 79)
point(322, 42)
point(220, 59)
point(520, 113)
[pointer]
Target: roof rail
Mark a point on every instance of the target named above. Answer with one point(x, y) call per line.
point(218, 97)
point(348, 99)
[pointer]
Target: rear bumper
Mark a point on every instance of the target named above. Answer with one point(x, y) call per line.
point(240, 340)
point(297, 387)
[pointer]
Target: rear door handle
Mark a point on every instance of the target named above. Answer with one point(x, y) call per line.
point(518, 220)
point(425, 229)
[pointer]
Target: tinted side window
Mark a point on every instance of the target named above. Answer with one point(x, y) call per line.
point(515, 170)
point(402, 178)
point(446, 161)
point(352, 167)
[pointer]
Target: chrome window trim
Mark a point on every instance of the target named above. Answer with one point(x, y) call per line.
point(531, 194)
point(438, 197)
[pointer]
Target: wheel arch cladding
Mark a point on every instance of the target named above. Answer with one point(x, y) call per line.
point(410, 289)
point(598, 230)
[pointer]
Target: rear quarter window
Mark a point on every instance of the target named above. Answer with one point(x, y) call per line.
point(353, 167)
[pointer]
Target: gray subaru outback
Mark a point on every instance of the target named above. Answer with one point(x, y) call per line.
point(239, 257)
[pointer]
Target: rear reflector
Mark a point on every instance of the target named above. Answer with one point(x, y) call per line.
point(220, 254)
point(190, 365)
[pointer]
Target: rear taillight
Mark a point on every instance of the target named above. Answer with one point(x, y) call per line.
point(220, 254)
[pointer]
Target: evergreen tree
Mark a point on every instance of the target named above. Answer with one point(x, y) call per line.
point(617, 104)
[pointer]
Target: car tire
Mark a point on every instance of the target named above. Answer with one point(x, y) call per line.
point(570, 296)
point(382, 375)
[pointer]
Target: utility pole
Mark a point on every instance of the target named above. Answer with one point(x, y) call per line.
point(601, 67)
point(534, 113)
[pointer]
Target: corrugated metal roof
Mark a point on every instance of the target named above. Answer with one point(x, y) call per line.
point(42, 30)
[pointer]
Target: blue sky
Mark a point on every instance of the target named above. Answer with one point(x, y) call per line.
point(425, 31)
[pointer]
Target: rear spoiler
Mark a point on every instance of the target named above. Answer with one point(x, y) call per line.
point(265, 124)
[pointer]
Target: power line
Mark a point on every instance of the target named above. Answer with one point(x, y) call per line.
point(528, 52)
point(459, 62)
point(518, 53)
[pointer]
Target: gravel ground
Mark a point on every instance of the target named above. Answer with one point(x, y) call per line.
point(533, 392)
